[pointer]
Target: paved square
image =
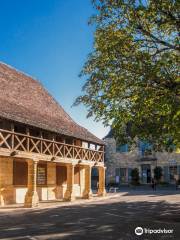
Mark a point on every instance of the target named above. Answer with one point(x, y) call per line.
point(113, 217)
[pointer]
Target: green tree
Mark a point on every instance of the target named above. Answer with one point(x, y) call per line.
point(158, 173)
point(135, 176)
point(132, 73)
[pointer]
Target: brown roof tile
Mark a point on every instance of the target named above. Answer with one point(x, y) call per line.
point(25, 100)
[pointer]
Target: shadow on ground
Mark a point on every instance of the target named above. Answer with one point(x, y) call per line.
point(153, 193)
point(100, 220)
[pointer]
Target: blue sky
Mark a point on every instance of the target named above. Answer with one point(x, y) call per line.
point(50, 40)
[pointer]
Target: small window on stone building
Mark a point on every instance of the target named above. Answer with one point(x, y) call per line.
point(145, 148)
point(122, 148)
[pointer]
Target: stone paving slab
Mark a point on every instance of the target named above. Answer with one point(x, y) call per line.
point(114, 217)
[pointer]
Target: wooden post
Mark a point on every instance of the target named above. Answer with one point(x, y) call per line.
point(28, 141)
point(12, 129)
point(31, 198)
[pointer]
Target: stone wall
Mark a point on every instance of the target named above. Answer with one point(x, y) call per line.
point(16, 194)
point(129, 160)
point(6, 181)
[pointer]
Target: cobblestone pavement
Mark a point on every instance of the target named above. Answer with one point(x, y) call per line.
point(113, 217)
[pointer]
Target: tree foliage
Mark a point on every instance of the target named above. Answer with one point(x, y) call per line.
point(131, 75)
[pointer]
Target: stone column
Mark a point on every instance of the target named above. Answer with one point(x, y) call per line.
point(82, 180)
point(69, 194)
point(101, 188)
point(51, 180)
point(87, 192)
point(31, 198)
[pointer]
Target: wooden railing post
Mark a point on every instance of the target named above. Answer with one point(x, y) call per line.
point(27, 131)
point(41, 144)
point(53, 146)
point(12, 140)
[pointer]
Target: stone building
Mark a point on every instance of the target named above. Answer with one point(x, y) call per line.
point(44, 154)
point(120, 161)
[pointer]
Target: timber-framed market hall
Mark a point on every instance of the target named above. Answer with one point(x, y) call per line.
point(44, 154)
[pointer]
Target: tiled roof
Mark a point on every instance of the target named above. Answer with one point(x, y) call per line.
point(25, 100)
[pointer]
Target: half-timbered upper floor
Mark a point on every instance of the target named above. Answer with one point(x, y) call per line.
point(17, 139)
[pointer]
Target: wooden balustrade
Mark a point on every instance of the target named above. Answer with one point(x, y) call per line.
point(26, 143)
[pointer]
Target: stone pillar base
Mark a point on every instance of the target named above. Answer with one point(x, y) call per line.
point(31, 200)
point(7, 195)
point(101, 192)
point(2, 202)
point(87, 195)
point(69, 196)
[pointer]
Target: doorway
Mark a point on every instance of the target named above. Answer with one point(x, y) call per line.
point(146, 173)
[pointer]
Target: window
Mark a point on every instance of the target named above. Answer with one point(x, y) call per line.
point(4, 124)
point(92, 146)
point(59, 138)
point(84, 144)
point(145, 148)
point(20, 128)
point(69, 141)
point(122, 148)
point(34, 132)
point(77, 142)
point(47, 135)
point(20, 173)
